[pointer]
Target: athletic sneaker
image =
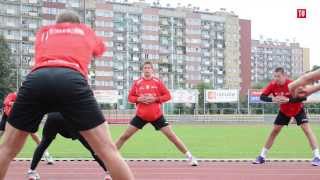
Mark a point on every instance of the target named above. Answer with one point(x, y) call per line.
point(315, 161)
point(193, 161)
point(33, 175)
point(259, 160)
point(107, 176)
point(48, 158)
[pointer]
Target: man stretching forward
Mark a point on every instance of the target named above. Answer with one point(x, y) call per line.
point(289, 107)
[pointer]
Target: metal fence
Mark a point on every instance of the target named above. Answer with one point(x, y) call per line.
point(223, 115)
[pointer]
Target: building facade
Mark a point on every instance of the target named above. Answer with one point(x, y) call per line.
point(269, 54)
point(186, 45)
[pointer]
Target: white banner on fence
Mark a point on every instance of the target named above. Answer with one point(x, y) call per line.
point(106, 96)
point(314, 98)
point(184, 95)
point(222, 95)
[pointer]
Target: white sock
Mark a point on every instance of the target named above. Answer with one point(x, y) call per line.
point(46, 153)
point(30, 170)
point(316, 153)
point(188, 154)
point(264, 152)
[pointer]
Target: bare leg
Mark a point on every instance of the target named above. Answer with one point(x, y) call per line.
point(167, 130)
point(131, 130)
point(13, 141)
point(35, 137)
point(310, 135)
point(100, 140)
point(274, 133)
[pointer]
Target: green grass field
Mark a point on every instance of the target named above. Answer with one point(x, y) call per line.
point(205, 141)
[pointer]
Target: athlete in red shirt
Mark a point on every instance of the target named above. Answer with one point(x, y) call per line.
point(58, 83)
point(7, 106)
point(148, 93)
point(289, 107)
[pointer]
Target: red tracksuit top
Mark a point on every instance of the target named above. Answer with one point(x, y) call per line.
point(8, 103)
point(289, 109)
point(153, 86)
point(70, 45)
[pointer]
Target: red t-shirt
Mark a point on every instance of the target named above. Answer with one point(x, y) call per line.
point(8, 102)
point(69, 45)
point(153, 86)
point(289, 109)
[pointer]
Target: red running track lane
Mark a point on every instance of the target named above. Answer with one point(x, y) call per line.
point(88, 170)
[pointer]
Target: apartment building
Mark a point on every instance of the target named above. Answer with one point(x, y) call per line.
point(269, 54)
point(186, 45)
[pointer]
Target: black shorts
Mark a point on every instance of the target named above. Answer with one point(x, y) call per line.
point(55, 89)
point(3, 122)
point(282, 119)
point(157, 124)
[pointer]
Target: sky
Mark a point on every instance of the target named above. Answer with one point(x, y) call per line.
point(275, 19)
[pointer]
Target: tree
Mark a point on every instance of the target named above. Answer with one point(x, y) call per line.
point(7, 76)
point(260, 85)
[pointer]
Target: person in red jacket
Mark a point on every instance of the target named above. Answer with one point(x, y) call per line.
point(148, 93)
point(58, 83)
point(7, 106)
point(290, 107)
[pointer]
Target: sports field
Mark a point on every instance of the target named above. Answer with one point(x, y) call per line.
point(205, 141)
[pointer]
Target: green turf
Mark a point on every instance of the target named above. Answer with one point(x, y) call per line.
point(205, 141)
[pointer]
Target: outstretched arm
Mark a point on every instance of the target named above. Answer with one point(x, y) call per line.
point(304, 80)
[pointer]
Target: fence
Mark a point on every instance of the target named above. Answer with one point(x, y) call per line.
point(224, 115)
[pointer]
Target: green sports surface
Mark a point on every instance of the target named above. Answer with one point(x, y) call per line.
point(204, 141)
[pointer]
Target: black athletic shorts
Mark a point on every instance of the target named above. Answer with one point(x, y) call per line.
point(157, 124)
point(282, 119)
point(55, 89)
point(3, 122)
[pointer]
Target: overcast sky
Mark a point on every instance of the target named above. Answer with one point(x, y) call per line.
point(274, 19)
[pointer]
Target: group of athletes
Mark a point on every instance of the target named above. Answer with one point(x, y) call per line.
point(57, 86)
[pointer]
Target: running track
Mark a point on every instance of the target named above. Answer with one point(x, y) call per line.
point(163, 170)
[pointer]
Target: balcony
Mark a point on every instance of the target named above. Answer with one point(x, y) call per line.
point(135, 58)
point(179, 70)
point(220, 81)
point(164, 32)
point(206, 45)
point(205, 36)
point(206, 54)
point(10, 24)
point(120, 38)
point(11, 11)
point(220, 63)
point(164, 22)
point(207, 26)
point(121, 29)
point(164, 60)
point(119, 48)
point(219, 72)
point(135, 49)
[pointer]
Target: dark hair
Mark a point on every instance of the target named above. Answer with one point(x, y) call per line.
point(68, 16)
point(279, 69)
point(149, 63)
